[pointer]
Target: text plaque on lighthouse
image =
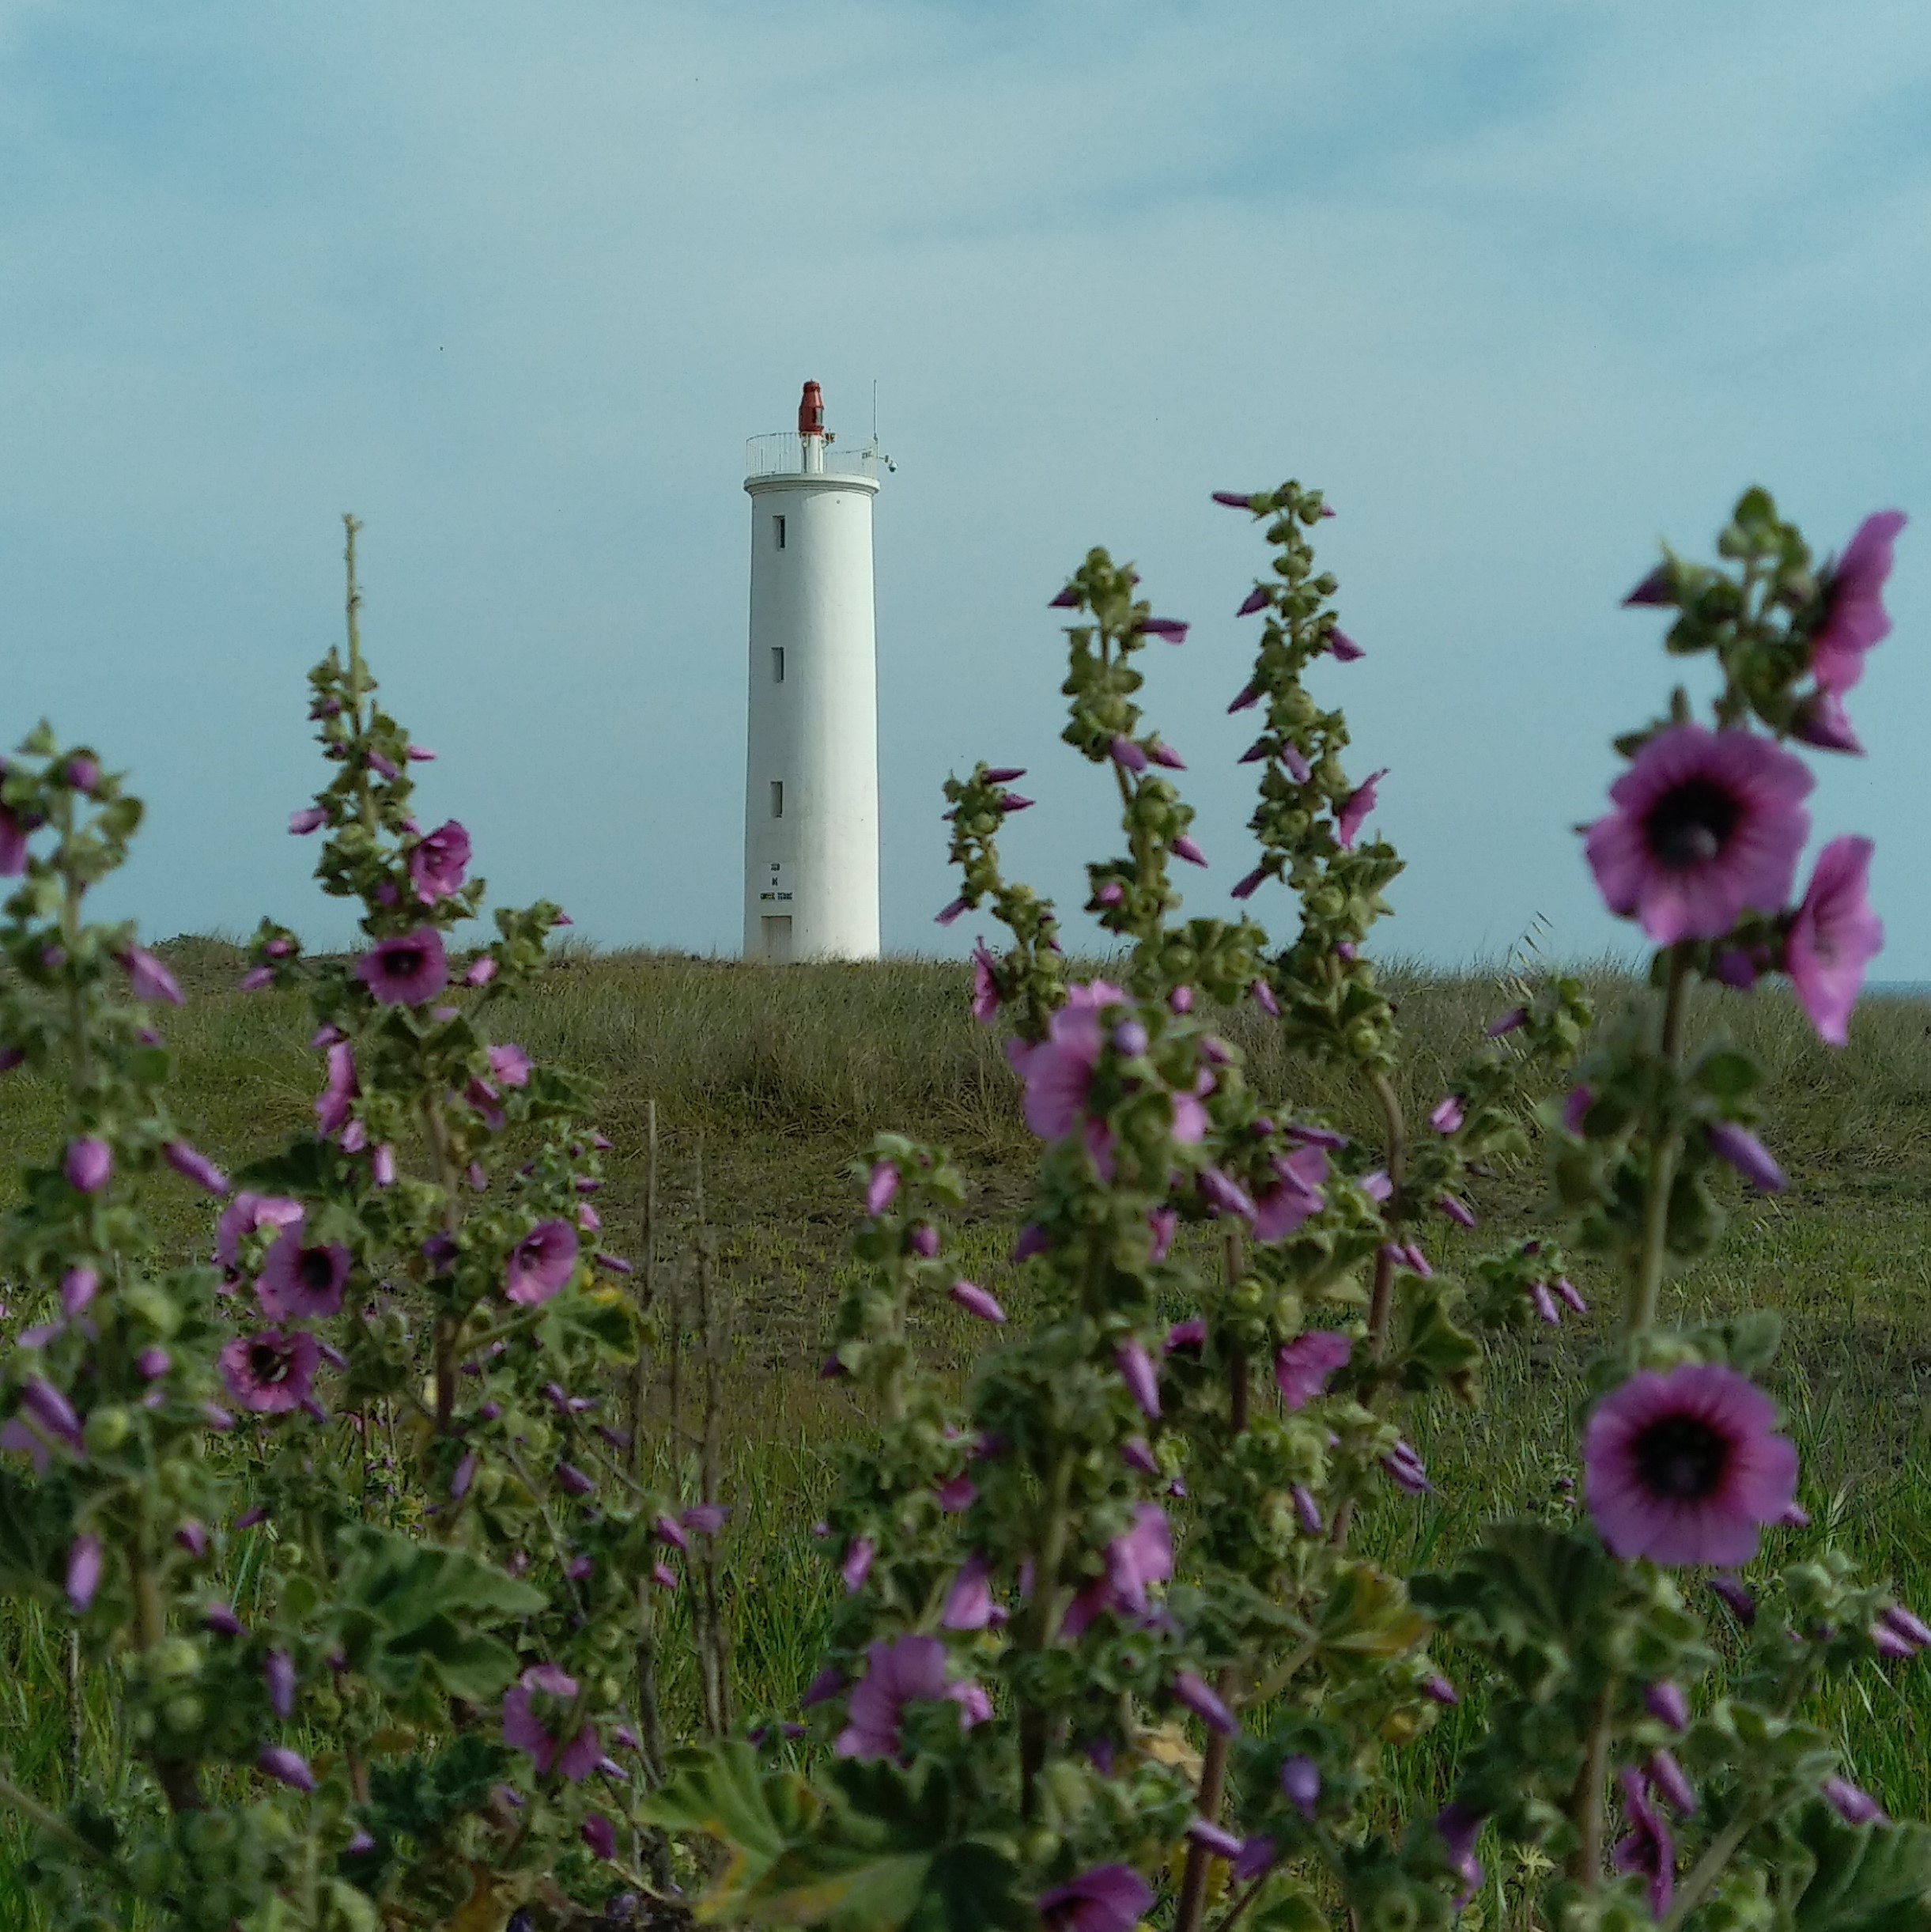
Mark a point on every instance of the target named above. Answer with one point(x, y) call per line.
point(811, 766)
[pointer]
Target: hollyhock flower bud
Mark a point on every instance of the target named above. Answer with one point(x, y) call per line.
point(1747, 1155)
point(1032, 1240)
point(78, 1287)
point(1136, 1454)
point(1570, 1293)
point(84, 1565)
point(193, 1165)
point(1657, 588)
point(1224, 1196)
point(1129, 1039)
point(1404, 1469)
point(951, 912)
point(857, 1564)
point(975, 1300)
point(1356, 807)
point(1184, 848)
point(220, 1619)
point(1913, 1630)
point(1173, 629)
point(1735, 1598)
point(1191, 1690)
point(1458, 1212)
point(1543, 1303)
point(1299, 769)
point(1068, 600)
point(1447, 1117)
point(1307, 1511)
point(1438, 1690)
point(278, 1674)
point(1854, 617)
point(1665, 1702)
point(1301, 1785)
point(148, 980)
point(310, 818)
point(256, 979)
point(286, 1766)
point(1377, 1186)
point(1135, 1368)
point(1666, 1779)
point(151, 1364)
point(482, 971)
point(1214, 1838)
point(353, 1138)
point(1161, 1224)
point(1248, 697)
point(1126, 754)
point(1191, 1333)
point(1249, 883)
point(968, 1603)
point(1822, 720)
point(1854, 1806)
point(958, 1495)
point(1258, 598)
point(1345, 649)
point(89, 1163)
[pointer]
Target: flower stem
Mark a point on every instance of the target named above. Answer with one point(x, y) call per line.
point(1586, 1863)
point(1381, 1303)
point(1663, 1148)
point(1709, 1869)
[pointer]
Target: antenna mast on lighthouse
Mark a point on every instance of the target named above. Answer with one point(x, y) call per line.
point(812, 768)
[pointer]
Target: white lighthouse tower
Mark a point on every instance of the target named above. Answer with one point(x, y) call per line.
point(812, 768)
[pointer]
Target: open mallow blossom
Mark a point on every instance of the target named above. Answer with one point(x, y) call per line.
point(1110, 1898)
point(270, 1373)
point(439, 862)
point(1685, 1467)
point(540, 1264)
point(1356, 807)
point(1136, 1559)
point(244, 1216)
point(1304, 1366)
point(1833, 937)
point(1854, 617)
point(303, 1281)
point(1058, 1071)
point(911, 1670)
point(527, 1724)
point(1707, 825)
point(406, 969)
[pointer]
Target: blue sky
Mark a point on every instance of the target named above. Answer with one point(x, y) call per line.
point(1525, 285)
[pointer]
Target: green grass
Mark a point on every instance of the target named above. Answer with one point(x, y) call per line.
point(781, 1076)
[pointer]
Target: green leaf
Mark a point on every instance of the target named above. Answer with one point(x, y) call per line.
point(1865, 1880)
point(721, 1793)
point(1726, 1074)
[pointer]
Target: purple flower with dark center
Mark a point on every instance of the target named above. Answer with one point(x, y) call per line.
point(148, 980)
point(1136, 1370)
point(1110, 1898)
point(84, 1561)
point(89, 1164)
point(278, 1674)
point(270, 1373)
point(881, 1185)
point(406, 969)
point(303, 1282)
point(438, 862)
point(1854, 1806)
point(1356, 807)
point(1304, 1366)
point(1191, 1690)
point(1746, 1154)
point(332, 1104)
point(1833, 937)
point(1646, 1849)
point(1822, 720)
point(1173, 629)
point(1707, 825)
point(1854, 617)
point(540, 1264)
point(1345, 649)
point(527, 1724)
point(857, 1564)
point(968, 1603)
point(1301, 1784)
point(1682, 1467)
point(975, 1300)
point(911, 1670)
point(286, 1766)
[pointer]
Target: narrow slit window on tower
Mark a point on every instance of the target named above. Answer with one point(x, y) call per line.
point(778, 798)
point(777, 663)
point(777, 531)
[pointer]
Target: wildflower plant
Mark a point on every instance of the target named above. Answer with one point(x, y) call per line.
point(383, 1399)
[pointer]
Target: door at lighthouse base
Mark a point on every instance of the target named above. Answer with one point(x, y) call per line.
point(778, 940)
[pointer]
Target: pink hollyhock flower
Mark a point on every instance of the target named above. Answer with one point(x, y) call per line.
point(406, 969)
point(89, 1164)
point(524, 1725)
point(1058, 1072)
point(1707, 825)
point(1682, 1467)
point(438, 862)
point(1110, 1898)
point(968, 1603)
point(1356, 807)
point(540, 1264)
point(148, 979)
point(1304, 1366)
point(332, 1103)
point(911, 1670)
point(1294, 1197)
point(1854, 617)
point(270, 1373)
point(303, 1281)
point(509, 1065)
point(984, 987)
point(1647, 1849)
point(247, 1213)
point(1834, 937)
